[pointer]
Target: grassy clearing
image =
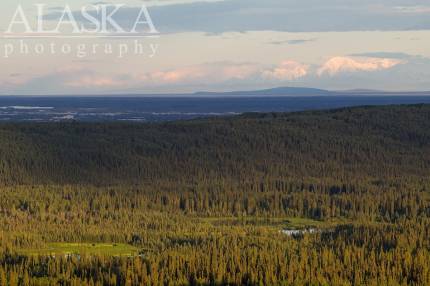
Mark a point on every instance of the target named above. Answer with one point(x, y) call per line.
point(282, 222)
point(256, 225)
point(106, 249)
point(300, 223)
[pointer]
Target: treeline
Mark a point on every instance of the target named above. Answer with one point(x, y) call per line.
point(85, 213)
point(347, 143)
point(205, 201)
point(366, 255)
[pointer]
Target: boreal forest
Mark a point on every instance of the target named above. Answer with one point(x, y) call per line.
point(337, 197)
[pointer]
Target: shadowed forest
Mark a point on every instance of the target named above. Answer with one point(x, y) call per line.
point(209, 201)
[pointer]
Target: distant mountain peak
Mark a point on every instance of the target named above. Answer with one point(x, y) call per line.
point(278, 91)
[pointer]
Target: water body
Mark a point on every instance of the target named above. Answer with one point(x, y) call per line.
point(155, 109)
point(297, 232)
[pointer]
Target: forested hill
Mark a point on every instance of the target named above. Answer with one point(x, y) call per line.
point(372, 142)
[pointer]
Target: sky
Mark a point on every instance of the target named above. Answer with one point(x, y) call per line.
point(217, 46)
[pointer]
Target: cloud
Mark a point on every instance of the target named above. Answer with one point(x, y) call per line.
point(95, 81)
point(388, 55)
point(413, 9)
point(205, 74)
point(376, 70)
point(12, 80)
point(214, 72)
point(287, 70)
point(281, 15)
point(76, 78)
point(210, 73)
point(337, 65)
point(288, 16)
point(293, 42)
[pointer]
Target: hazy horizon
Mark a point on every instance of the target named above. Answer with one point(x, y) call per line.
point(217, 46)
point(241, 93)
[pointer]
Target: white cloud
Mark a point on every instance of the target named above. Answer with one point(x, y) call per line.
point(367, 68)
point(337, 65)
point(214, 72)
point(203, 74)
point(413, 9)
point(287, 70)
point(95, 81)
point(210, 73)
